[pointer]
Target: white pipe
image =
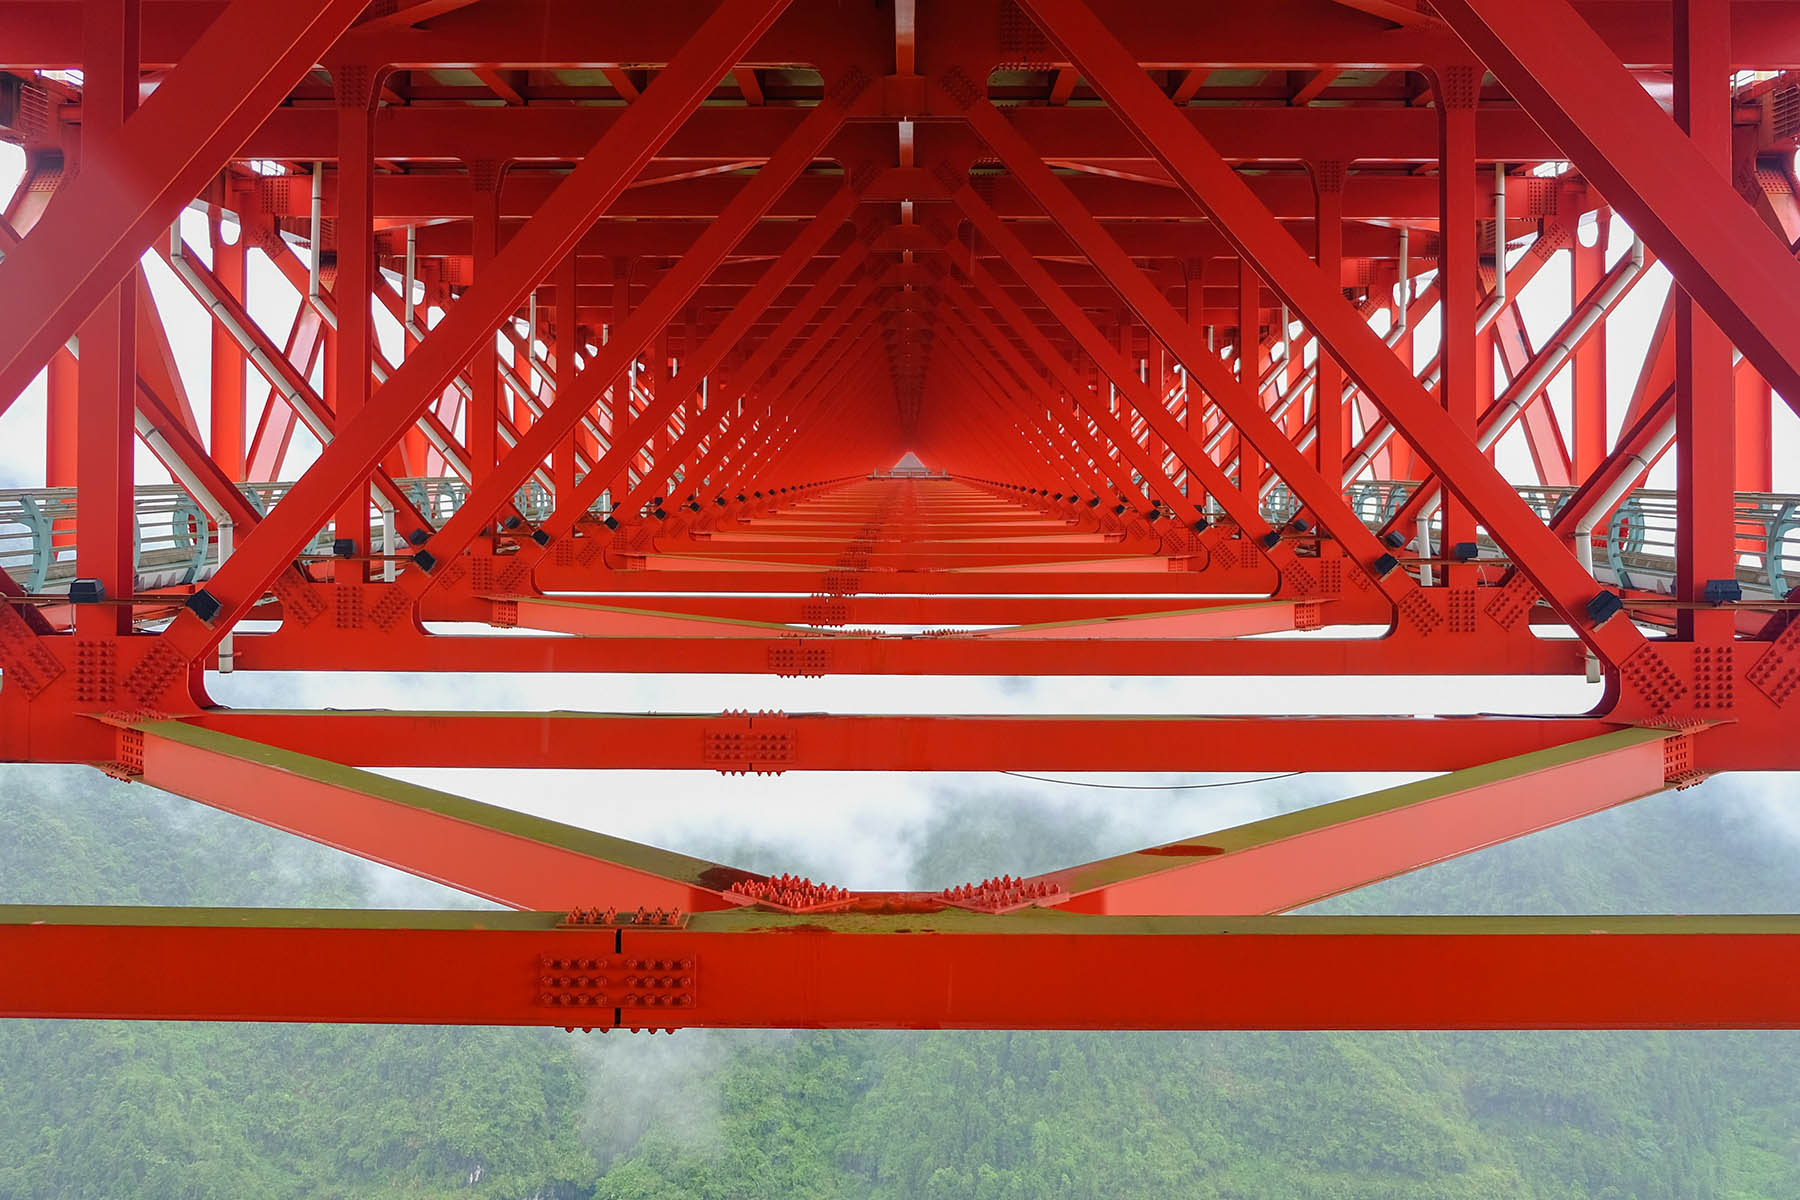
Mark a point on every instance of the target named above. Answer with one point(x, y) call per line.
point(1551, 359)
point(1424, 548)
point(1400, 324)
point(190, 483)
point(389, 546)
point(1615, 492)
point(517, 386)
point(227, 659)
point(412, 273)
point(302, 402)
point(318, 231)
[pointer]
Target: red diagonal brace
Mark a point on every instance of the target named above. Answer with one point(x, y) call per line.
point(1211, 182)
point(783, 385)
point(1094, 342)
point(102, 221)
point(702, 363)
point(1236, 397)
point(675, 288)
point(1295, 859)
point(984, 371)
point(550, 234)
point(495, 853)
point(1106, 467)
point(1672, 194)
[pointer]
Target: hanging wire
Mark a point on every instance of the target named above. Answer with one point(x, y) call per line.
point(1152, 787)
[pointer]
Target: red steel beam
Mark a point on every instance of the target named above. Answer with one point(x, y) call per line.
point(1219, 191)
point(1668, 186)
point(952, 969)
point(496, 853)
point(848, 742)
point(103, 220)
point(671, 292)
point(1301, 857)
point(706, 360)
point(850, 654)
point(1309, 36)
point(611, 164)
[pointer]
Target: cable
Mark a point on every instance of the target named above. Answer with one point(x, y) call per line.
point(1148, 787)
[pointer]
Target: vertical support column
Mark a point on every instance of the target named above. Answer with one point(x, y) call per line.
point(1587, 374)
point(690, 340)
point(1459, 281)
point(621, 388)
point(227, 418)
point(1755, 432)
point(1328, 209)
point(481, 424)
point(1156, 374)
point(1396, 460)
point(105, 503)
point(568, 341)
point(1705, 408)
point(522, 352)
point(354, 89)
point(1485, 388)
point(659, 383)
point(1122, 339)
point(64, 382)
point(1250, 463)
point(1194, 270)
point(417, 456)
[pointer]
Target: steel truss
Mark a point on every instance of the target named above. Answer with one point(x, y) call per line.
point(1138, 288)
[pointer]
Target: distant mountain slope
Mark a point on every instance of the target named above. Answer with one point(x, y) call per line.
point(119, 1109)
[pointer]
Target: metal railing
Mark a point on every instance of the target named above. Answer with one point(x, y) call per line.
point(1634, 549)
point(175, 543)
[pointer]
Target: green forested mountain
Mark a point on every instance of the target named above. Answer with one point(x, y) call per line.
point(118, 1109)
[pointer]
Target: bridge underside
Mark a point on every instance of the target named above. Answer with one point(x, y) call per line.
point(1320, 339)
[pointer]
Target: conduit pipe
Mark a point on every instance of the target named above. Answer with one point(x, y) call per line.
point(318, 233)
point(302, 400)
point(1297, 386)
point(1550, 359)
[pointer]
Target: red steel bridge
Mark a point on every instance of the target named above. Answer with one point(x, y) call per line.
point(1204, 322)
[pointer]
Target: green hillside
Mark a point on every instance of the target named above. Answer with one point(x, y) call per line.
point(115, 1109)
